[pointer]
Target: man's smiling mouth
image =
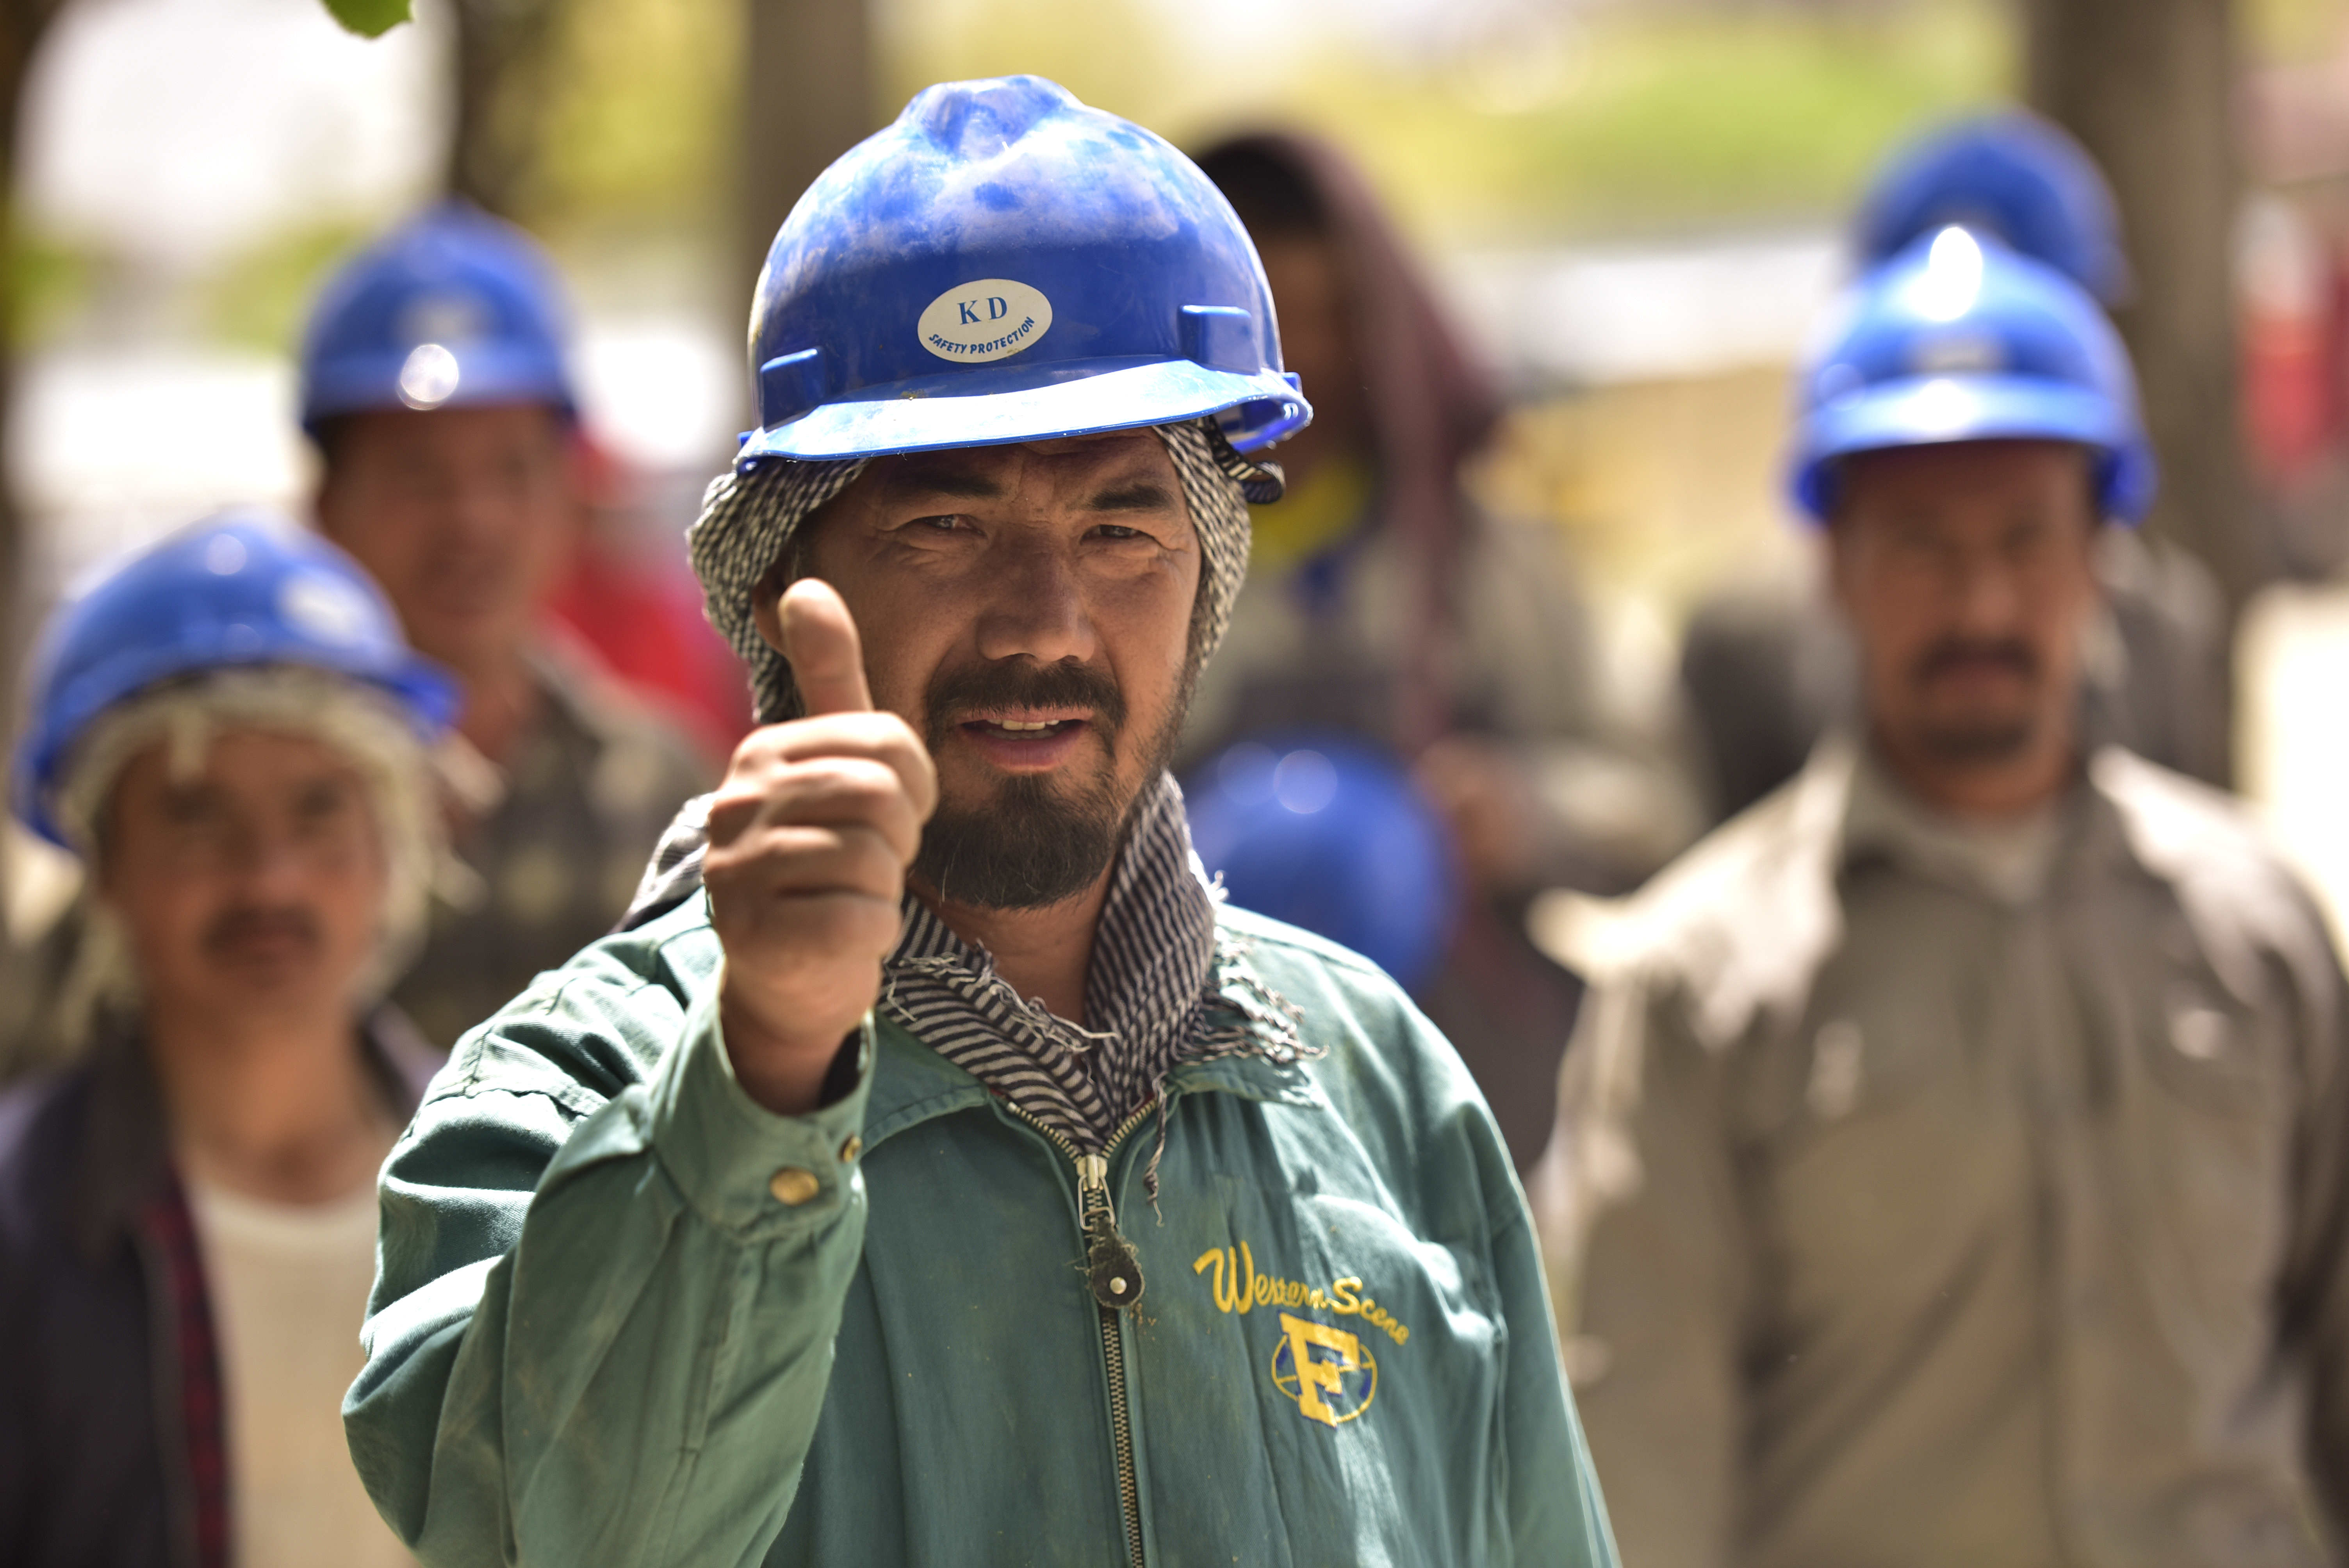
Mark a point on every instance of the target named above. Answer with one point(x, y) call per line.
point(1023, 730)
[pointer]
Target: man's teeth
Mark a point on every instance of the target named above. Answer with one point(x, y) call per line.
point(1014, 724)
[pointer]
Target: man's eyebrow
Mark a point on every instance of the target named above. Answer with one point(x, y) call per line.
point(1143, 494)
point(946, 479)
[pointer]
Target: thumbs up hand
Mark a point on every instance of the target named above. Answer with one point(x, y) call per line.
point(809, 837)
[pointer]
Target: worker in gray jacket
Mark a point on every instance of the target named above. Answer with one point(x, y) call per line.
point(1953, 1166)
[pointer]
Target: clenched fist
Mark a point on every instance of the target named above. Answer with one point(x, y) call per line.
point(809, 841)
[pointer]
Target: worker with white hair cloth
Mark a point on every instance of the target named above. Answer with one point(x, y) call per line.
point(230, 733)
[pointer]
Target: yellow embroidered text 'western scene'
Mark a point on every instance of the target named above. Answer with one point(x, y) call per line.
point(1239, 1287)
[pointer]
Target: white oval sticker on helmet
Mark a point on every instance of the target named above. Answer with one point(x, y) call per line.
point(990, 318)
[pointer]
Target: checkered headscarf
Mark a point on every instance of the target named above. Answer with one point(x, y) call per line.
point(749, 521)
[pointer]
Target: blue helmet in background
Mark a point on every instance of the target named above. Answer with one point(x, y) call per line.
point(1005, 264)
point(241, 589)
point(1331, 834)
point(452, 308)
point(2011, 175)
point(1959, 339)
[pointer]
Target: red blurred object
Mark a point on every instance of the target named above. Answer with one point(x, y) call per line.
point(641, 611)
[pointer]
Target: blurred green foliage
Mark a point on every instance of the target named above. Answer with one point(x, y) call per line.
point(259, 298)
point(638, 125)
point(368, 18)
point(48, 279)
point(1627, 117)
point(2293, 30)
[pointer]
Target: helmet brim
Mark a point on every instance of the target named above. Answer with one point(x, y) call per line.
point(1939, 410)
point(427, 694)
point(368, 383)
point(1077, 397)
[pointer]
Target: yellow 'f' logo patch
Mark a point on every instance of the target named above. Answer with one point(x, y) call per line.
point(1324, 1369)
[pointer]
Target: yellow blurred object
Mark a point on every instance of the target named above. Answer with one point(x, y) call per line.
point(1311, 517)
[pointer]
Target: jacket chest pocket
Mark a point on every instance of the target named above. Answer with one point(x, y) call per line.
point(1313, 1337)
point(1878, 1146)
point(1340, 1302)
point(2208, 1134)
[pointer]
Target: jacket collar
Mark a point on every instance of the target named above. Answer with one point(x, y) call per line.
point(125, 1151)
point(912, 1084)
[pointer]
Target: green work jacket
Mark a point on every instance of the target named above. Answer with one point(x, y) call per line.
point(626, 1315)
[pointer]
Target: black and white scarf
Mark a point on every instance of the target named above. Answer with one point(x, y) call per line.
point(1155, 994)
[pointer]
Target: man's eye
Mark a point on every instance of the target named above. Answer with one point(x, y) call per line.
point(946, 523)
point(188, 808)
point(1116, 531)
point(321, 803)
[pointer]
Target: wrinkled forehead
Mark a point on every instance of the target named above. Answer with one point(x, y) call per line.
point(1955, 479)
point(1077, 467)
point(240, 757)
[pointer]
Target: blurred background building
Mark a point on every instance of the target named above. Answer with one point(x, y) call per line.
point(1636, 209)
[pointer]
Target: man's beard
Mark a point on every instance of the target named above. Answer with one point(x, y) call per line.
point(1987, 738)
point(1036, 841)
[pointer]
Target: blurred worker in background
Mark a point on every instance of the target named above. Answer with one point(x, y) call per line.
point(434, 383)
point(631, 595)
point(1765, 673)
point(1954, 1167)
point(935, 1172)
point(230, 733)
point(1383, 604)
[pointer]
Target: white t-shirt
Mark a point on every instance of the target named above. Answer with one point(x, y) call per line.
point(289, 1286)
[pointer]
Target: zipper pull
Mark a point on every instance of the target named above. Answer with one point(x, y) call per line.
point(1111, 1267)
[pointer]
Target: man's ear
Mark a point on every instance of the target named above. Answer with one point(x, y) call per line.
point(1835, 546)
point(765, 613)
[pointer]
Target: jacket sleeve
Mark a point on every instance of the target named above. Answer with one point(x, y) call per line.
point(2316, 1294)
point(1638, 1208)
point(1555, 1518)
point(598, 1334)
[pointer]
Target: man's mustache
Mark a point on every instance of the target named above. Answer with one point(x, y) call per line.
point(957, 695)
point(1952, 654)
point(247, 924)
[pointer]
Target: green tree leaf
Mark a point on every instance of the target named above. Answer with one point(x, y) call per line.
point(370, 19)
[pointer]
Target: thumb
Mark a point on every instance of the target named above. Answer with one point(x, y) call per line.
point(819, 640)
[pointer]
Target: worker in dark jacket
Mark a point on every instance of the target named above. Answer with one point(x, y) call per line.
point(1385, 611)
point(232, 736)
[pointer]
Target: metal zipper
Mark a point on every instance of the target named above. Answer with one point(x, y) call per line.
point(1114, 1275)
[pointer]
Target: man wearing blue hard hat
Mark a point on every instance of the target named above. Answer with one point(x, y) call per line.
point(435, 384)
point(1955, 1166)
point(231, 734)
point(935, 1172)
point(1765, 673)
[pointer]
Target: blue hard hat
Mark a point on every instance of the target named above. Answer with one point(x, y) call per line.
point(1328, 832)
point(452, 308)
point(1005, 264)
point(1959, 339)
point(2012, 175)
point(240, 589)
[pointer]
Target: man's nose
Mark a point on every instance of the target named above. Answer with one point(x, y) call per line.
point(1988, 598)
point(269, 864)
point(1037, 609)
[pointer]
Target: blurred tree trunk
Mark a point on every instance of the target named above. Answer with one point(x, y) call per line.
point(2148, 87)
point(504, 76)
point(22, 23)
point(808, 97)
